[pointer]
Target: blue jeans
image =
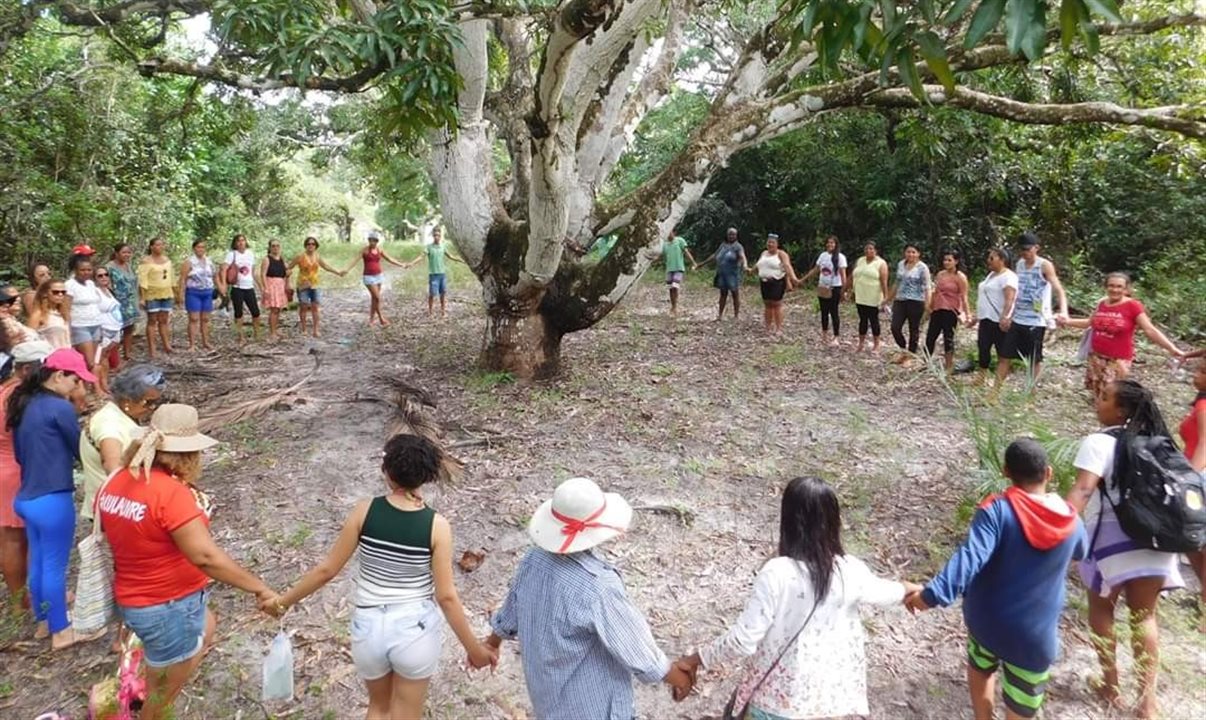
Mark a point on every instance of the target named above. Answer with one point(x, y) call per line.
point(50, 529)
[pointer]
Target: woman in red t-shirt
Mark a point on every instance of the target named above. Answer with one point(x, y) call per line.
point(1112, 344)
point(157, 525)
point(1193, 432)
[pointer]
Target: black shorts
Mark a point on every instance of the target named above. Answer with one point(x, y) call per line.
point(241, 297)
point(989, 337)
point(1026, 342)
point(773, 290)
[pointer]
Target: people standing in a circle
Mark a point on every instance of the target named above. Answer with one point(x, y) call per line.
point(437, 272)
point(238, 279)
point(730, 264)
point(274, 278)
point(156, 290)
point(948, 308)
point(776, 275)
point(909, 297)
point(1037, 281)
point(672, 251)
point(197, 274)
point(374, 276)
point(830, 269)
point(308, 300)
point(995, 300)
point(869, 285)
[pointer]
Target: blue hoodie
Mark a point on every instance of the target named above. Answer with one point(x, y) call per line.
point(1012, 572)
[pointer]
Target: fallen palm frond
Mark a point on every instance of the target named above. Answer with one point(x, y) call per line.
point(246, 409)
point(412, 406)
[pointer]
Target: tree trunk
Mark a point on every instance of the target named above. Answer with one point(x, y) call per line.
point(522, 342)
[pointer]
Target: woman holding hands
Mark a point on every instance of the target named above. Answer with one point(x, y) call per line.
point(404, 583)
point(308, 265)
point(777, 276)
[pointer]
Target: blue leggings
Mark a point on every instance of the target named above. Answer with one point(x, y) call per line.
point(50, 528)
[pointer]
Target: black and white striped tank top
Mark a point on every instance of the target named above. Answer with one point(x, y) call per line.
point(395, 555)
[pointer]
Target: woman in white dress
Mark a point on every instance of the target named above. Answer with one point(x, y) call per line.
point(800, 635)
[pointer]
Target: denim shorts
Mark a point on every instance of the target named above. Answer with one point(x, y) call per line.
point(85, 334)
point(405, 639)
point(197, 300)
point(307, 296)
point(156, 306)
point(437, 284)
point(171, 632)
point(374, 279)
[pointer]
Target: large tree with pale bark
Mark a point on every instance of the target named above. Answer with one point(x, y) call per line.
point(526, 107)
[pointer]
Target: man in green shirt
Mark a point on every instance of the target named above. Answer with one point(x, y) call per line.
point(673, 251)
point(437, 282)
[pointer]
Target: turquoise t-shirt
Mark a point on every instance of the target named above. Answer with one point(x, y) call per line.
point(435, 258)
point(673, 251)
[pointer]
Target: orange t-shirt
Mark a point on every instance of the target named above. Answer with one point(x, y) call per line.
point(138, 516)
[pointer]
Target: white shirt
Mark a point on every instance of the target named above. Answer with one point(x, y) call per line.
point(85, 303)
point(245, 261)
point(829, 278)
point(990, 297)
point(824, 674)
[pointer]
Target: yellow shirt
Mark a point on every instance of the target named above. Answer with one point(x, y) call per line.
point(307, 272)
point(867, 290)
point(108, 423)
point(158, 282)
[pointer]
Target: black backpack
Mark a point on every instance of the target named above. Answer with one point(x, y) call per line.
point(1162, 501)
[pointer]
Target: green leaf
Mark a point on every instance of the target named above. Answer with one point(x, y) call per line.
point(958, 10)
point(1018, 15)
point(934, 53)
point(984, 21)
point(888, 8)
point(1088, 31)
point(1108, 9)
point(808, 23)
point(906, 64)
point(1035, 38)
point(1069, 18)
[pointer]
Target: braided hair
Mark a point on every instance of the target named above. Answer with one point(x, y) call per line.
point(1142, 418)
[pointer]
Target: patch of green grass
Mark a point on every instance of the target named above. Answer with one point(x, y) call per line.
point(787, 355)
point(662, 370)
point(299, 536)
point(6, 690)
point(483, 381)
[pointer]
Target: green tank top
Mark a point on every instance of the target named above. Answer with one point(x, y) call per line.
point(395, 555)
point(435, 259)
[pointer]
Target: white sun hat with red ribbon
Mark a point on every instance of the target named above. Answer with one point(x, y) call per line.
point(579, 517)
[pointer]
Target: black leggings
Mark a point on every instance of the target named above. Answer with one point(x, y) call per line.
point(829, 308)
point(868, 316)
point(910, 310)
point(942, 322)
point(244, 296)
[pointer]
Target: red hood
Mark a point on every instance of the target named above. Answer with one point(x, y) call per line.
point(1044, 526)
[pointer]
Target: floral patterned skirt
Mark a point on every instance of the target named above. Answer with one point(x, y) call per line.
point(1101, 371)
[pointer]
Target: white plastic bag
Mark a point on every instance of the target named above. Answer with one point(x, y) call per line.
point(278, 669)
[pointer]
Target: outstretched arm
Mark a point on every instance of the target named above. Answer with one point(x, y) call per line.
point(967, 561)
point(450, 603)
point(454, 258)
point(1153, 333)
point(332, 564)
point(397, 263)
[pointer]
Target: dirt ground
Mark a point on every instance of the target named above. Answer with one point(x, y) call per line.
point(698, 424)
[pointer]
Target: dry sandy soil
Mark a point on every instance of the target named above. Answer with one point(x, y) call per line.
point(699, 423)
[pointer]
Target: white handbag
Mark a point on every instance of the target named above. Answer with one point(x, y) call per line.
point(94, 605)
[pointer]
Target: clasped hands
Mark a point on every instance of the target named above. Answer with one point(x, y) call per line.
point(913, 599)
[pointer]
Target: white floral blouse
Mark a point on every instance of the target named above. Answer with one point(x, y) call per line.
point(825, 672)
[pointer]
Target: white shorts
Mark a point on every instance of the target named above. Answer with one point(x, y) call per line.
point(374, 279)
point(404, 639)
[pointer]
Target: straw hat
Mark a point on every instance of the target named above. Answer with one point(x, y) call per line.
point(579, 517)
point(31, 351)
point(177, 426)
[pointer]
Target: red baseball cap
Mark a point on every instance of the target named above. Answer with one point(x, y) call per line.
point(83, 249)
point(69, 360)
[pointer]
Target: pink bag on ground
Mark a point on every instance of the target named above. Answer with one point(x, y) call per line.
point(119, 698)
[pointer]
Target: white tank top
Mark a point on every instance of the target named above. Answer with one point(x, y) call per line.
point(770, 267)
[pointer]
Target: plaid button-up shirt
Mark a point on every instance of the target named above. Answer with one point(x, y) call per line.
point(582, 639)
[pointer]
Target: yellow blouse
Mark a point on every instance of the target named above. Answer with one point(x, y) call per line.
point(158, 282)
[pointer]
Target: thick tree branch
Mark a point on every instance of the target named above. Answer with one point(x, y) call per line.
point(351, 84)
point(88, 15)
point(1187, 120)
